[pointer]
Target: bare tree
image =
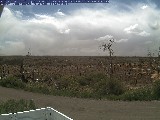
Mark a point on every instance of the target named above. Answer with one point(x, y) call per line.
point(107, 46)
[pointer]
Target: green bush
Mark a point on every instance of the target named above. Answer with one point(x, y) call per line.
point(91, 79)
point(138, 95)
point(114, 87)
point(106, 87)
point(37, 87)
point(12, 106)
point(86, 95)
point(156, 89)
point(12, 82)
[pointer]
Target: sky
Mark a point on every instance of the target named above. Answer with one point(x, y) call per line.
point(80, 29)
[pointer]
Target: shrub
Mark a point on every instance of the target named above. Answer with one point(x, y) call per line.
point(156, 89)
point(37, 87)
point(12, 106)
point(115, 87)
point(91, 79)
point(12, 82)
point(31, 105)
point(105, 88)
point(83, 81)
point(86, 94)
point(138, 95)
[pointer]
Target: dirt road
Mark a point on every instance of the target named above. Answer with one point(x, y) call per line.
point(86, 109)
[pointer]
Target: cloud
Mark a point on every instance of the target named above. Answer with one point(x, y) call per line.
point(135, 29)
point(107, 37)
point(79, 31)
point(144, 34)
point(148, 42)
point(132, 29)
point(59, 13)
point(144, 7)
point(13, 48)
point(155, 25)
point(121, 40)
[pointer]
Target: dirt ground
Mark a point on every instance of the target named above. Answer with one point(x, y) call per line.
point(87, 109)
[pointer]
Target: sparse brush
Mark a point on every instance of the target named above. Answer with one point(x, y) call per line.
point(12, 82)
point(13, 106)
point(156, 89)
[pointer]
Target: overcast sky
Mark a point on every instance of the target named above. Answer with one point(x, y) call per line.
point(79, 29)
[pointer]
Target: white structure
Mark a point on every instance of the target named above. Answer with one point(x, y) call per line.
point(38, 114)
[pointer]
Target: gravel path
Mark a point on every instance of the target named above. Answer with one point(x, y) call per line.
point(87, 109)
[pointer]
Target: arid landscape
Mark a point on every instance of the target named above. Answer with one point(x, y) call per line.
point(85, 88)
point(133, 71)
point(93, 61)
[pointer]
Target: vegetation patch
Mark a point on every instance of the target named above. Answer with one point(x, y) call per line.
point(141, 94)
point(96, 86)
point(12, 82)
point(156, 89)
point(13, 106)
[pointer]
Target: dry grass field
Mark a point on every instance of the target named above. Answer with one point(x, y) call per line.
point(133, 71)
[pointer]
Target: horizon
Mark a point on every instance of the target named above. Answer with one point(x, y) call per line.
point(72, 56)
